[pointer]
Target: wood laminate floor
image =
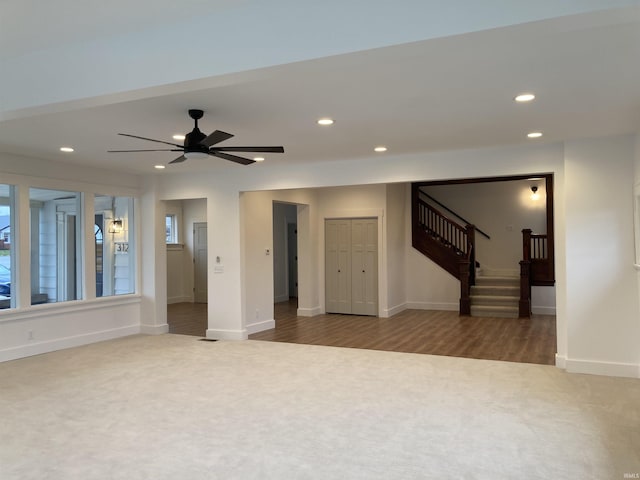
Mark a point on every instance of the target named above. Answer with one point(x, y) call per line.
point(187, 318)
point(412, 331)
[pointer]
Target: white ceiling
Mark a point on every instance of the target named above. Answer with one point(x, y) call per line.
point(453, 92)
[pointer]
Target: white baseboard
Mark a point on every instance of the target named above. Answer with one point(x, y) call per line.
point(609, 369)
point(561, 361)
point(543, 310)
point(181, 299)
point(219, 334)
point(261, 326)
point(47, 346)
point(433, 306)
point(309, 312)
point(390, 312)
point(154, 329)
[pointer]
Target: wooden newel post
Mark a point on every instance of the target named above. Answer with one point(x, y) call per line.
point(524, 305)
point(471, 245)
point(465, 288)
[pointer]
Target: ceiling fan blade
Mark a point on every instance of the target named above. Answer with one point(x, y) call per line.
point(180, 159)
point(162, 150)
point(216, 137)
point(248, 149)
point(233, 158)
point(149, 139)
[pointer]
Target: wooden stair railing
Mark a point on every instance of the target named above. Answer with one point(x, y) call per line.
point(536, 267)
point(447, 243)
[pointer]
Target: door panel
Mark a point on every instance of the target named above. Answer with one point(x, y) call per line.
point(364, 266)
point(351, 266)
point(338, 266)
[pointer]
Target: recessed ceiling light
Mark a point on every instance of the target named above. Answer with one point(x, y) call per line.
point(525, 97)
point(325, 121)
point(259, 159)
point(179, 136)
point(380, 149)
point(159, 167)
point(66, 149)
point(534, 134)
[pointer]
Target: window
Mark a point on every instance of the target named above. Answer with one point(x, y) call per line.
point(115, 245)
point(56, 246)
point(6, 252)
point(171, 229)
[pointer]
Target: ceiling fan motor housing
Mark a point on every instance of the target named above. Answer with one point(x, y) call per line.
point(192, 141)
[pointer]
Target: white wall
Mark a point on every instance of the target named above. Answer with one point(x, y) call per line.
point(601, 290)
point(394, 248)
point(500, 209)
point(29, 330)
point(176, 289)
point(228, 318)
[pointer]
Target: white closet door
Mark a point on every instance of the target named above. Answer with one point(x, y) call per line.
point(338, 266)
point(364, 266)
point(351, 266)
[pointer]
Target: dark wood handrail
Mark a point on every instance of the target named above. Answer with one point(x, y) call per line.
point(446, 230)
point(453, 213)
point(446, 242)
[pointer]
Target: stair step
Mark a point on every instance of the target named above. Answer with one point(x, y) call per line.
point(495, 300)
point(494, 311)
point(496, 280)
point(495, 290)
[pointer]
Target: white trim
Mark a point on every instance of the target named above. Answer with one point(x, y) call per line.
point(154, 329)
point(261, 326)
point(433, 306)
point(309, 312)
point(74, 306)
point(610, 369)
point(390, 312)
point(218, 334)
point(561, 361)
point(47, 346)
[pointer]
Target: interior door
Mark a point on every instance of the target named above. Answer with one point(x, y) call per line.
point(364, 266)
point(200, 262)
point(338, 266)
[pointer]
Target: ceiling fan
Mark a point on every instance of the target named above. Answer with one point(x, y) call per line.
point(199, 145)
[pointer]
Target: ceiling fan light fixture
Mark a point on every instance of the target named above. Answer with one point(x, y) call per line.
point(179, 136)
point(259, 159)
point(195, 155)
point(159, 167)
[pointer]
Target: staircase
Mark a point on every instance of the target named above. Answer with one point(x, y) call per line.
point(495, 296)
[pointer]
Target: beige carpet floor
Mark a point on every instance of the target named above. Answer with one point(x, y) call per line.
point(174, 407)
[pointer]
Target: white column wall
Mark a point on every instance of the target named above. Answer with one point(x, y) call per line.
point(30, 330)
point(601, 289)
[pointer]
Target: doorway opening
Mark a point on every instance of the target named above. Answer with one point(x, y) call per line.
point(187, 259)
point(285, 257)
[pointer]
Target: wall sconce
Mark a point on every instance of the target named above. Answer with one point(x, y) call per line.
point(534, 193)
point(115, 226)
